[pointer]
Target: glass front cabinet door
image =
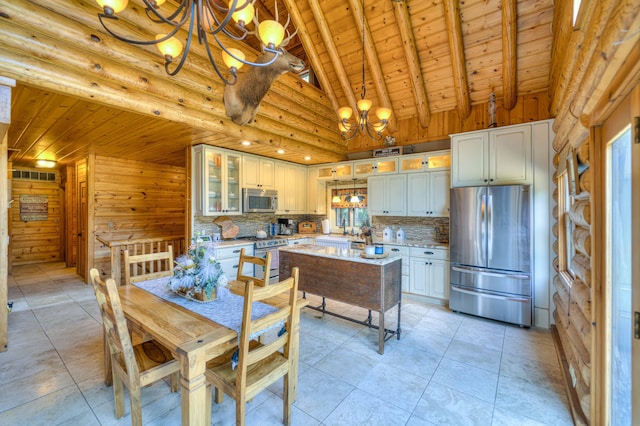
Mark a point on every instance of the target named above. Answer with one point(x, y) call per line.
point(219, 181)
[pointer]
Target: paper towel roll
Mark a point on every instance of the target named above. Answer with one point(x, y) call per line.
point(326, 226)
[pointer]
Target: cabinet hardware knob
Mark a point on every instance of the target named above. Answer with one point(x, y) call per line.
point(395, 249)
point(236, 251)
point(428, 252)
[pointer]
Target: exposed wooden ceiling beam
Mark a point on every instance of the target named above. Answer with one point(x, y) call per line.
point(105, 67)
point(321, 22)
point(372, 58)
point(312, 53)
point(413, 62)
point(454, 30)
point(509, 54)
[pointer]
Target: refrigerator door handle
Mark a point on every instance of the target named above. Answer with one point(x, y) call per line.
point(490, 296)
point(489, 274)
point(483, 227)
point(490, 227)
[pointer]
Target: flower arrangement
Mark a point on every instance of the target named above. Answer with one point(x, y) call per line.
point(197, 274)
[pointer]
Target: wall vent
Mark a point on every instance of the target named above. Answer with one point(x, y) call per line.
point(25, 174)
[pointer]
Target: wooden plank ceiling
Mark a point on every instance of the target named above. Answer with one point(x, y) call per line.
point(422, 58)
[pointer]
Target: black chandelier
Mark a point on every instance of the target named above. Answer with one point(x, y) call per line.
point(208, 19)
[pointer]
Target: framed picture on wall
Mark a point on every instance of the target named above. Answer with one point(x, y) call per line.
point(572, 172)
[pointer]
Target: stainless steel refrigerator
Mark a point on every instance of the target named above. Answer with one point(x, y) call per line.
point(490, 252)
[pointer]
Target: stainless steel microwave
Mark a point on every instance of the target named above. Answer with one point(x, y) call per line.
point(259, 200)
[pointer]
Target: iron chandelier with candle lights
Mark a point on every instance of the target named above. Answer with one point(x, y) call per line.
point(207, 18)
point(362, 124)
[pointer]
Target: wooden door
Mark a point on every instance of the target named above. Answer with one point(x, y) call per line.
point(82, 230)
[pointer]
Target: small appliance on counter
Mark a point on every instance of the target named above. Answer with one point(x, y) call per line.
point(307, 227)
point(285, 226)
point(326, 226)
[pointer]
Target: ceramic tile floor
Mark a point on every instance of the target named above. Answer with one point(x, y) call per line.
point(447, 369)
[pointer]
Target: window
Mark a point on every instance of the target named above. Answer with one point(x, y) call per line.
point(566, 226)
point(344, 213)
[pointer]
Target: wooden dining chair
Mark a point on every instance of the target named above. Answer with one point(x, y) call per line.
point(133, 366)
point(259, 365)
point(263, 262)
point(149, 266)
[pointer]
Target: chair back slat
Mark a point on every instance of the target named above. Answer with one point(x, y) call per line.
point(148, 266)
point(247, 356)
point(115, 323)
point(264, 262)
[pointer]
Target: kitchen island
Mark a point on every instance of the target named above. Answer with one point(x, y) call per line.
point(344, 275)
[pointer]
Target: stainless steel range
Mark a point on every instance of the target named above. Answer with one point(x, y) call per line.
point(261, 247)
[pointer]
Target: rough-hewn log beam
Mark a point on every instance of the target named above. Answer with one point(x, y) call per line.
point(102, 57)
point(625, 14)
point(312, 53)
point(15, 38)
point(509, 53)
point(563, 64)
point(327, 39)
point(566, 112)
point(74, 83)
point(413, 62)
point(452, 20)
point(372, 58)
point(616, 44)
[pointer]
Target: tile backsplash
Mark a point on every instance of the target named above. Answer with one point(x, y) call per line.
point(429, 229)
point(250, 223)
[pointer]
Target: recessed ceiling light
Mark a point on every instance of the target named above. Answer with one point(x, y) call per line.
point(47, 164)
point(307, 158)
point(280, 151)
point(245, 143)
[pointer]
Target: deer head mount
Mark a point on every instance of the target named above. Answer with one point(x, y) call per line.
point(242, 99)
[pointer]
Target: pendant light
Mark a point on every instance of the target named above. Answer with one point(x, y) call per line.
point(336, 198)
point(354, 198)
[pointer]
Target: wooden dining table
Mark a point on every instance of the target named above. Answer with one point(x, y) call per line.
point(192, 338)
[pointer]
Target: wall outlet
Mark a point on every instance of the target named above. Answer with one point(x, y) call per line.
point(572, 372)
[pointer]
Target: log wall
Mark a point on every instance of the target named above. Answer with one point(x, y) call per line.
point(135, 200)
point(35, 241)
point(594, 68)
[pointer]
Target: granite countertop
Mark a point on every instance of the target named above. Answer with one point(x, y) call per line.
point(340, 254)
point(406, 243)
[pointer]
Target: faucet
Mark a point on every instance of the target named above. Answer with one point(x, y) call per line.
point(344, 226)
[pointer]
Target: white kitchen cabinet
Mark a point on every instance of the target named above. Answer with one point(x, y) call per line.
point(316, 193)
point(216, 182)
point(428, 161)
point(403, 252)
point(429, 272)
point(339, 171)
point(499, 156)
point(428, 194)
point(375, 166)
point(258, 172)
point(387, 195)
point(291, 184)
point(229, 258)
